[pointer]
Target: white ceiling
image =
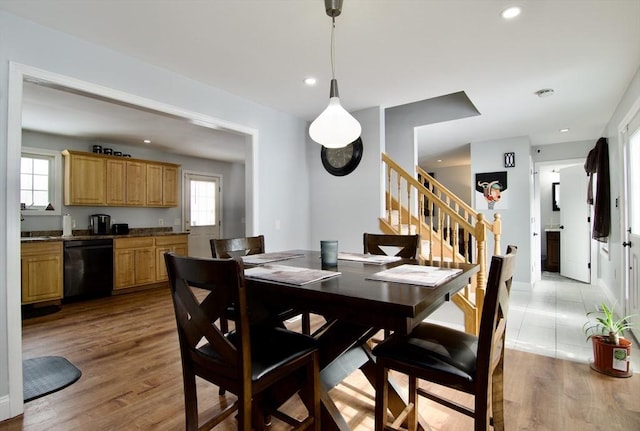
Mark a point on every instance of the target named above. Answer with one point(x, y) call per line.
point(388, 53)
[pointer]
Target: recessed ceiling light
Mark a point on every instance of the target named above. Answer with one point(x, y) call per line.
point(564, 130)
point(310, 81)
point(147, 141)
point(439, 160)
point(511, 12)
point(545, 92)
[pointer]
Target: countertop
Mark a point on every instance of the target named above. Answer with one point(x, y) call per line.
point(43, 236)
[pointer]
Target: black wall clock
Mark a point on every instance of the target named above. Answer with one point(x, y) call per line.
point(342, 161)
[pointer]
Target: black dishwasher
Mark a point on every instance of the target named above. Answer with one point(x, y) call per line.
point(88, 268)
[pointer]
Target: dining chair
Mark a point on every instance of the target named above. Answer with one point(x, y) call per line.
point(452, 358)
point(262, 365)
point(244, 246)
point(408, 245)
point(405, 246)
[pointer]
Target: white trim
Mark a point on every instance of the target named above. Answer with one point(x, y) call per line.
point(18, 73)
point(13, 276)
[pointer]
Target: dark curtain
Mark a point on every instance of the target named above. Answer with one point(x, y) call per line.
point(598, 162)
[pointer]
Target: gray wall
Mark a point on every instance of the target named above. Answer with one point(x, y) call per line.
point(487, 156)
point(456, 179)
point(233, 195)
point(279, 189)
point(343, 208)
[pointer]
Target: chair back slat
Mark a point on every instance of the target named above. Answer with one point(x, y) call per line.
point(408, 244)
point(202, 289)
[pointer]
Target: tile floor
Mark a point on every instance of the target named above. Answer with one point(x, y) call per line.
point(548, 319)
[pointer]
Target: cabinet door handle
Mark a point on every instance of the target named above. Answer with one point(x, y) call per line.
point(626, 244)
point(561, 226)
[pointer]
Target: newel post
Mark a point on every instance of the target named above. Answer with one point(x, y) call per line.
point(481, 253)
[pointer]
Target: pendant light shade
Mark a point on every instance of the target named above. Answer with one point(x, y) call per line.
point(334, 127)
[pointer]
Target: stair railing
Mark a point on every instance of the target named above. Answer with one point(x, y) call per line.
point(450, 228)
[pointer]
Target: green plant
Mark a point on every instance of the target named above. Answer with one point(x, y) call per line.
point(603, 322)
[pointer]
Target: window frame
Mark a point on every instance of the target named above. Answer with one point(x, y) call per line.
point(55, 181)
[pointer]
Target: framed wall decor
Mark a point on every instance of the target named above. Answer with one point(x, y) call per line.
point(491, 190)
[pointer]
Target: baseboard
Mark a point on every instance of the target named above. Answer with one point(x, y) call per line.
point(5, 408)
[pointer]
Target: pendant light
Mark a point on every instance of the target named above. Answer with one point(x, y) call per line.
point(334, 127)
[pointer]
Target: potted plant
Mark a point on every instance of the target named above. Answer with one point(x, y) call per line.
point(611, 351)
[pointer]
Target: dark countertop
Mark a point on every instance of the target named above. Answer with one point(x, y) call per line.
point(43, 236)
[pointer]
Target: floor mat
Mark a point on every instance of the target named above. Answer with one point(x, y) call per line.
point(44, 375)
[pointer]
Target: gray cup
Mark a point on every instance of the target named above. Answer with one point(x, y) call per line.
point(329, 253)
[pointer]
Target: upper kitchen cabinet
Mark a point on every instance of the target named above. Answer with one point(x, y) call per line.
point(126, 182)
point(84, 179)
point(104, 180)
point(162, 185)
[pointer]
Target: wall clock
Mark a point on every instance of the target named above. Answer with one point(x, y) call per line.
point(342, 161)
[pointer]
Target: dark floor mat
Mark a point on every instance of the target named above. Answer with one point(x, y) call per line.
point(44, 375)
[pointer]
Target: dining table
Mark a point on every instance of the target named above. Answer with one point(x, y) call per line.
point(355, 307)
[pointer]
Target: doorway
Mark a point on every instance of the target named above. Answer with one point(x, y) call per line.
point(551, 211)
point(202, 206)
point(20, 74)
point(631, 228)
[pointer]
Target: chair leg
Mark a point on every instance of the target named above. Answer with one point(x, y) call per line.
point(497, 402)
point(382, 397)
point(190, 401)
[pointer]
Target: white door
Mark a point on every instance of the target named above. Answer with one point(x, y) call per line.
point(575, 236)
point(632, 242)
point(201, 211)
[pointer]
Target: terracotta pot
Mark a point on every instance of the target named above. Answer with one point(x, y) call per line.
point(610, 359)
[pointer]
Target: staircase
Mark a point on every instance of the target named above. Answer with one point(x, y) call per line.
point(450, 230)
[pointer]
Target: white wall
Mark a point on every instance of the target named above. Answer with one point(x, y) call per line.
point(279, 184)
point(343, 208)
point(488, 156)
point(611, 270)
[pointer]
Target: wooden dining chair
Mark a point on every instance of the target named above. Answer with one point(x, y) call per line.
point(262, 365)
point(244, 246)
point(408, 245)
point(453, 359)
point(236, 247)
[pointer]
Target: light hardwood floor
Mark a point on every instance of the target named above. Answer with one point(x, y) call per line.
point(127, 349)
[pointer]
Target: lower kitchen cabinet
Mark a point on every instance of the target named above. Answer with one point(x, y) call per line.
point(139, 261)
point(41, 268)
point(134, 262)
point(177, 244)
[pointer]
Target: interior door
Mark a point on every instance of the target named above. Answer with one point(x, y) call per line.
point(632, 242)
point(201, 211)
point(575, 236)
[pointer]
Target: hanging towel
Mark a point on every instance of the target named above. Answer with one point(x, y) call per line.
point(598, 162)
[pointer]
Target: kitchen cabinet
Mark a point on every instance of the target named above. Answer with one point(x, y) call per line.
point(162, 185)
point(125, 182)
point(41, 269)
point(105, 180)
point(134, 262)
point(166, 244)
point(553, 251)
point(84, 179)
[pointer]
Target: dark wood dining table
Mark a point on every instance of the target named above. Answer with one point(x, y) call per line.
point(355, 308)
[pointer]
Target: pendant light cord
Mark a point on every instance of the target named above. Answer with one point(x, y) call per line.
point(333, 48)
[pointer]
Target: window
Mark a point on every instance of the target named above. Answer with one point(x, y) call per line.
point(40, 182)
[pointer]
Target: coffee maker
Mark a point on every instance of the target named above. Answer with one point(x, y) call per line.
point(99, 224)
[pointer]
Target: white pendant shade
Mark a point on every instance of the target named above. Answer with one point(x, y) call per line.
point(335, 127)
